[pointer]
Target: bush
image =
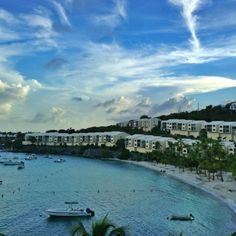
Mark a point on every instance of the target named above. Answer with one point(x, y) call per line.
point(124, 155)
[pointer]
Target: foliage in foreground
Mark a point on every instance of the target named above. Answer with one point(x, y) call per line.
point(99, 228)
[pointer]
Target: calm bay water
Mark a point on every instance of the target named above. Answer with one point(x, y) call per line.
point(132, 196)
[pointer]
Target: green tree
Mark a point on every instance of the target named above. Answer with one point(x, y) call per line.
point(32, 139)
point(120, 144)
point(203, 134)
point(100, 228)
point(106, 154)
point(17, 143)
point(144, 117)
point(124, 155)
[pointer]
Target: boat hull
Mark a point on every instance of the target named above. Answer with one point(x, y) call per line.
point(73, 213)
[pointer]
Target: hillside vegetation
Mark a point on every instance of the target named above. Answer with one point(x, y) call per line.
point(210, 113)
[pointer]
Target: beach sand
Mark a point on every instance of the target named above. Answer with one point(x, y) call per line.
point(225, 191)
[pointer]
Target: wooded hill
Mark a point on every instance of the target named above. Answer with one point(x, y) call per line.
point(210, 113)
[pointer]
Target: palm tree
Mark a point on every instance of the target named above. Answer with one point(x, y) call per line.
point(100, 228)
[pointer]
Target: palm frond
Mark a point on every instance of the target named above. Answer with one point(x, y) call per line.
point(118, 232)
point(102, 227)
point(79, 230)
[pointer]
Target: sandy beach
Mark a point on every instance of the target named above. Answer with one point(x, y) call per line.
point(225, 191)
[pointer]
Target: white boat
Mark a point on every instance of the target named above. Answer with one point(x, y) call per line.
point(31, 157)
point(70, 211)
point(59, 160)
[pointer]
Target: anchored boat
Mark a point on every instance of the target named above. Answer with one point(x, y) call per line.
point(182, 217)
point(31, 157)
point(71, 211)
point(59, 160)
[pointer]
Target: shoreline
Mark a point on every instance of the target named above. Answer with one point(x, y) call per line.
point(217, 188)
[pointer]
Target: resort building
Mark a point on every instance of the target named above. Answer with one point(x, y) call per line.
point(229, 147)
point(137, 142)
point(146, 143)
point(145, 124)
point(225, 131)
point(76, 139)
point(7, 137)
point(185, 145)
point(183, 127)
point(233, 106)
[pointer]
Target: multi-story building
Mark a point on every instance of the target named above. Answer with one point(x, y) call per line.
point(229, 146)
point(147, 143)
point(227, 131)
point(145, 124)
point(233, 106)
point(183, 127)
point(215, 129)
point(76, 139)
point(6, 136)
point(221, 130)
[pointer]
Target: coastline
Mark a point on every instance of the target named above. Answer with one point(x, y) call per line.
point(217, 188)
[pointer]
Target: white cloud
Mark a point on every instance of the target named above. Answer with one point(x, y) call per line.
point(174, 104)
point(114, 17)
point(14, 88)
point(188, 9)
point(5, 108)
point(6, 34)
point(120, 8)
point(11, 94)
point(7, 17)
point(62, 14)
point(38, 21)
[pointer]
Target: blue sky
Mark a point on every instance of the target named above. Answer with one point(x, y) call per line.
point(80, 63)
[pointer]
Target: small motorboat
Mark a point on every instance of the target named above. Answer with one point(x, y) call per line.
point(70, 211)
point(21, 165)
point(182, 217)
point(59, 160)
point(31, 157)
point(0, 181)
point(11, 163)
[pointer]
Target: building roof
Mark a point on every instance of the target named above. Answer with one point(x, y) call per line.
point(214, 122)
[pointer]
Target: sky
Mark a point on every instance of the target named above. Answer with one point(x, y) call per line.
point(81, 63)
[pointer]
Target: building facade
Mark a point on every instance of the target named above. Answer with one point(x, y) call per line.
point(225, 131)
point(233, 106)
point(144, 124)
point(183, 127)
point(147, 143)
point(108, 139)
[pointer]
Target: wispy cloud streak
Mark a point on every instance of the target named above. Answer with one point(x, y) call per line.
point(113, 18)
point(62, 14)
point(188, 9)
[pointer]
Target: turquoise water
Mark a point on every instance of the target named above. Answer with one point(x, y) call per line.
point(132, 196)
